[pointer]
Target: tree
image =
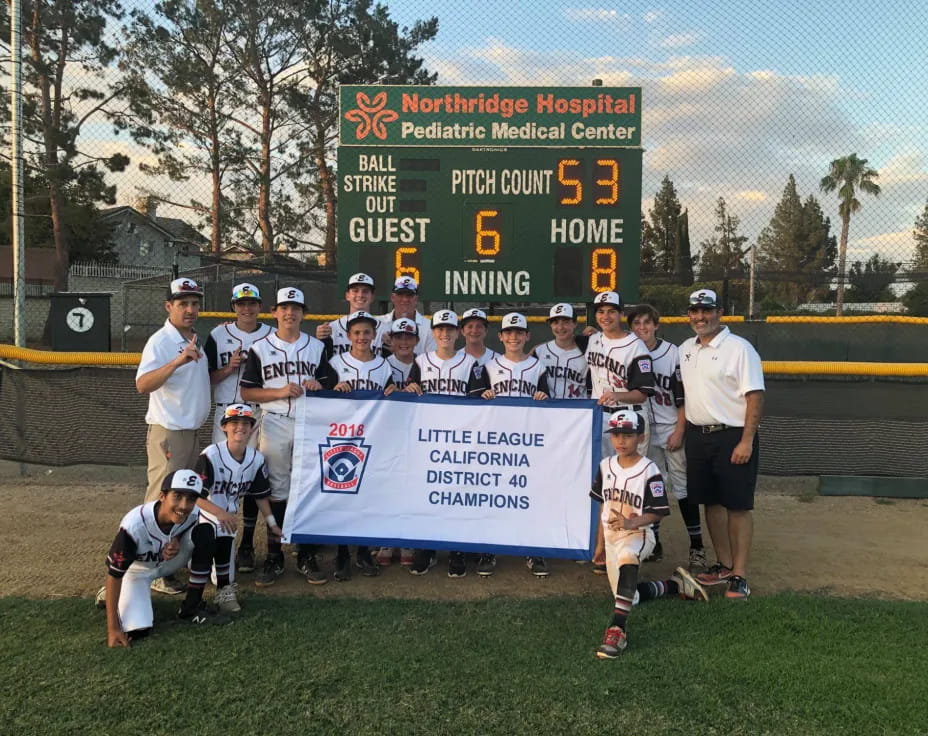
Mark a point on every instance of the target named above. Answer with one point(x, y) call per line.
point(796, 252)
point(660, 234)
point(870, 282)
point(920, 234)
point(847, 176)
point(62, 37)
point(683, 258)
point(723, 255)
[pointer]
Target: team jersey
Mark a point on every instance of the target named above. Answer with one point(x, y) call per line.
point(456, 376)
point(221, 343)
point(400, 370)
point(361, 375)
point(619, 364)
point(511, 378)
point(273, 363)
point(141, 541)
point(339, 343)
point(567, 370)
point(628, 491)
point(426, 342)
point(668, 387)
point(487, 356)
point(227, 480)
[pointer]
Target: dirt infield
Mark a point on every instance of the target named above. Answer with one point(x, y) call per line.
point(56, 528)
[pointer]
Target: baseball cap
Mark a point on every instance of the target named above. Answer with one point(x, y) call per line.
point(361, 316)
point(513, 321)
point(444, 317)
point(561, 310)
point(245, 291)
point(184, 287)
point(404, 326)
point(625, 421)
point(290, 295)
point(704, 298)
point(360, 279)
point(611, 298)
point(405, 284)
point(184, 480)
point(474, 314)
point(233, 411)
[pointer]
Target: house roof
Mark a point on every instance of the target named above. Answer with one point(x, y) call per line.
point(172, 227)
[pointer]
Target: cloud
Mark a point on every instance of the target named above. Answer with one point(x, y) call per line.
point(679, 40)
point(652, 16)
point(597, 15)
point(752, 195)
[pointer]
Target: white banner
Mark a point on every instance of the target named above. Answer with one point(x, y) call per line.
point(507, 476)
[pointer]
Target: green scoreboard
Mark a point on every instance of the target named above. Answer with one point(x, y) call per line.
point(501, 194)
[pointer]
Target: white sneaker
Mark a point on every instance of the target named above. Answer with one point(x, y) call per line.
point(226, 600)
point(689, 587)
point(168, 586)
point(100, 600)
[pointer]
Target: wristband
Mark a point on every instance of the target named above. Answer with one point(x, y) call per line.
point(271, 521)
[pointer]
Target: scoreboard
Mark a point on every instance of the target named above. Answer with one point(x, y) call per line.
point(490, 223)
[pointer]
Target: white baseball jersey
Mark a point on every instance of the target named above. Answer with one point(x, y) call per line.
point(140, 542)
point(400, 371)
point(361, 375)
point(227, 480)
point(273, 363)
point(221, 343)
point(629, 492)
point(426, 342)
point(487, 356)
point(457, 376)
point(511, 378)
point(668, 387)
point(566, 370)
point(339, 343)
point(619, 364)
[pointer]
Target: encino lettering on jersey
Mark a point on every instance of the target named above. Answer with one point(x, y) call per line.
point(514, 386)
point(601, 360)
point(286, 368)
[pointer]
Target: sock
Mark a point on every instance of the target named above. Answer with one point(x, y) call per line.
point(223, 561)
point(274, 545)
point(624, 595)
point(249, 521)
point(656, 528)
point(690, 513)
point(342, 553)
point(652, 589)
point(201, 562)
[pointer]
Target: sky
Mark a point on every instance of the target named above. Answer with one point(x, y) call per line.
point(735, 97)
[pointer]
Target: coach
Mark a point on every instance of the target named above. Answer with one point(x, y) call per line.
point(724, 385)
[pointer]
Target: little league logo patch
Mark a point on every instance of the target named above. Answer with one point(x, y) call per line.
point(657, 488)
point(343, 462)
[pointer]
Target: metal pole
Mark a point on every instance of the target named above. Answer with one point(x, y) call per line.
point(16, 174)
point(751, 283)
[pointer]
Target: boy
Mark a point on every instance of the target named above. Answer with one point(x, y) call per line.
point(231, 470)
point(280, 369)
point(452, 373)
point(405, 299)
point(515, 374)
point(668, 423)
point(631, 491)
point(474, 327)
point(358, 370)
point(360, 296)
point(563, 357)
point(155, 539)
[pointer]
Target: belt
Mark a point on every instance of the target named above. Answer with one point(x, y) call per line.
point(711, 428)
point(610, 409)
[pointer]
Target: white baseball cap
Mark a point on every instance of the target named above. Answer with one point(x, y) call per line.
point(513, 321)
point(611, 298)
point(474, 313)
point(290, 295)
point(187, 481)
point(444, 317)
point(361, 316)
point(404, 326)
point(704, 298)
point(245, 291)
point(405, 283)
point(184, 287)
point(234, 411)
point(625, 421)
point(360, 279)
point(561, 310)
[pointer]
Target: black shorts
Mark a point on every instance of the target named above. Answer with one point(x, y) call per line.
point(711, 477)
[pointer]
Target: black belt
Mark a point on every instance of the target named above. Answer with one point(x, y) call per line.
point(711, 428)
point(610, 409)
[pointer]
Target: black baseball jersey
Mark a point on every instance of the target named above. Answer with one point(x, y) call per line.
point(141, 541)
point(228, 480)
point(221, 343)
point(668, 386)
point(629, 491)
point(273, 363)
point(567, 371)
point(400, 371)
point(457, 376)
point(522, 378)
point(361, 375)
point(619, 364)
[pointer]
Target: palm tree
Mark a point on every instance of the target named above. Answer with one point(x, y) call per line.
point(848, 175)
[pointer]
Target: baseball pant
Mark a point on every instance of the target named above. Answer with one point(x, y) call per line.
point(135, 611)
point(168, 450)
point(220, 500)
point(671, 462)
point(628, 548)
point(220, 436)
point(276, 444)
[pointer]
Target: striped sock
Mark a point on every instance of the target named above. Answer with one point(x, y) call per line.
point(690, 513)
point(620, 615)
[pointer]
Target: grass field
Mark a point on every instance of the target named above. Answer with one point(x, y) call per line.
point(784, 664)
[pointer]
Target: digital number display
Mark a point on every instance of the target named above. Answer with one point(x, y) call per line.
point(492, 224)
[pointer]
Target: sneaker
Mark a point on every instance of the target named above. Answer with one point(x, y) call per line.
point(273, 569)
point(657, 554)
point(407, 557)
point(385, 556)
point(457, 565)
point(226, 600)
point(614, 642)
point(486, 565)
point(698, 559)
point(423, 562)
point(598, 569)
point(100, 600)
point(738, 588)
point(715, 575)
point(368, 567)
point(689, 588)
point(203, 614)
point(637, 599)
point(538, 566)
point(309, 567)
point(245, 559)
point(342, 572)
point(168, 585)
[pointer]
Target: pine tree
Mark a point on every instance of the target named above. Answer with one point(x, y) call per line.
point(660, 235)
point(870, 282)
point(920, 235)
point(723, 255)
